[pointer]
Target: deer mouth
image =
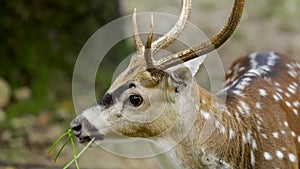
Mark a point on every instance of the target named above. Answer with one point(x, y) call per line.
point(85, 139)
point(85, 131)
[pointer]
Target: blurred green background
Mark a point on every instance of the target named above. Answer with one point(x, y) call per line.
point(41, 39)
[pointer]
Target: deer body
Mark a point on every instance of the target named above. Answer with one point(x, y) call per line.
point(257, 127)
point(251, 123)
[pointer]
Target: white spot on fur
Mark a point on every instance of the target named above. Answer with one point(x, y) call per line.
point(272, 59)
point(292, 157)
point(252, 158)
point(253, 73)
point(268, 156)
point(264, 135)
point(241, 69)
point(249, 136)
point(279, 154)
point(205, 115)
point(286, 124)
point(279, 90)
point(276, 98)
point(292, 73)
point(258, 105)
point(293, 133)
point(262, 92)
point(222, 129)
point(295, 85)
point(238, 93)
point(240, 110)
point(237, 116)
point(228, 113)
point(258, 122)
point(242, 85)
point(293, 91)
point(254, 145)
point(279, 95)
point(288, 104)
point(289, 66)
point(258, 127)
point(229, 71)
point(296, 104)
point(275, 134)
point(245, 107)
point(264, 69)
point(287, 94)
point(231, 133)
point(295, 112)
point(217, 124)
point(244, 139)
point(253, 61)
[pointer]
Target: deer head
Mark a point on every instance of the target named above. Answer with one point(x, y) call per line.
point(149, 96)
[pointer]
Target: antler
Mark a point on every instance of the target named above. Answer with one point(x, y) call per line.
point(136, 38)
point(166, 40)
point(141, 49)
point(148, 51)
point(211, 44)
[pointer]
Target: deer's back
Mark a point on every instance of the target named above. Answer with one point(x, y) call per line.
point(263, 94)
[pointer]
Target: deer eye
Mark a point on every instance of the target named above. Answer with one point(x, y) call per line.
point(135, 100)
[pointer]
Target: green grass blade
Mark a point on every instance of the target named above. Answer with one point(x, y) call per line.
point(79, 154)
point(72, 142)
point(61, 148)
point(56, 142)
point(73, 147)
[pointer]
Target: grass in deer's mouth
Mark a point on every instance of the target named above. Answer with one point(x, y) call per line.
point(65, 138)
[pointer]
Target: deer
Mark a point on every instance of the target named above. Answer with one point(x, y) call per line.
point(253, 122)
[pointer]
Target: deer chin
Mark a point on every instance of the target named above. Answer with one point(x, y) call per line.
point(88, 138)
point(84, 139)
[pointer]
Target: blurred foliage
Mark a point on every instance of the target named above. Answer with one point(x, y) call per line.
point(41, 40)
point(279, 8)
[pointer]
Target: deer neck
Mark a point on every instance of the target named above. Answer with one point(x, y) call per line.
point(207, 142)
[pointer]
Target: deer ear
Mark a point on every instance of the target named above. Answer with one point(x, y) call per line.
point(180, 79)
point(194, 64)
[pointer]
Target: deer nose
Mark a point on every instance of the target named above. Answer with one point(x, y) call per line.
point(76, 127)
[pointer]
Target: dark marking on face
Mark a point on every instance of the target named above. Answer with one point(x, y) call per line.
point(107, 100)
point(120, 90)
point(92, 132)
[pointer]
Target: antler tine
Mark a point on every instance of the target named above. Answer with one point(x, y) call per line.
point(213, 43)
point(136, 37)
point(166, 40)
point(148, 49)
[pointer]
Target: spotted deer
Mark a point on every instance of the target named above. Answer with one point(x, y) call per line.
point(252, 123)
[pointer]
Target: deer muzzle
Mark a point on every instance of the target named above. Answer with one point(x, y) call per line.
point(84, 130)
